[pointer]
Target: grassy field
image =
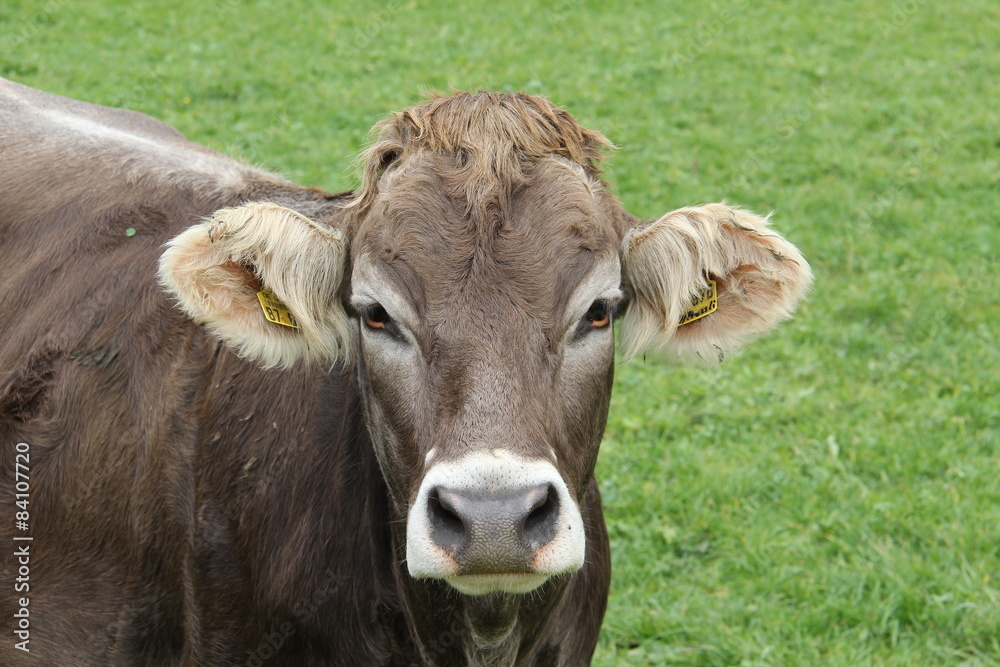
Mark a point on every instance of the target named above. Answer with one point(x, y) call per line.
point(831, 495)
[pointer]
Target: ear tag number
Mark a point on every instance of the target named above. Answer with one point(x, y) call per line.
point(276, 311)
point(707, 303)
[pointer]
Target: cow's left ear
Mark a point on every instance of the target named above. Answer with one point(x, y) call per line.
point(669, 265)
point(217, 269)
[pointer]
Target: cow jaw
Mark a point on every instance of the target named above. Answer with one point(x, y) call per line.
point(494, 522)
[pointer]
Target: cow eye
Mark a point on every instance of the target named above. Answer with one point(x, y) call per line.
point(598, 315)
point(375, 317)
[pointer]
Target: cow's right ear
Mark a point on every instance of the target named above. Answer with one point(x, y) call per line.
point(217, 268)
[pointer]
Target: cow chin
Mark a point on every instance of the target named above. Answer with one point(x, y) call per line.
point(484, 584)
point(494, 522)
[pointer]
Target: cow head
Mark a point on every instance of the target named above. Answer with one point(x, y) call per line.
point(474, 280)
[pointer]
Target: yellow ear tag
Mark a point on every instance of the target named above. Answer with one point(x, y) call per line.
point(274, 310)
point(707, 303)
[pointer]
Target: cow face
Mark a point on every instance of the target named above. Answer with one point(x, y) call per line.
point(487, 353)
point(475, 279)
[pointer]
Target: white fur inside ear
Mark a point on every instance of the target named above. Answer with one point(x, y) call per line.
point(214, 270)
point(760, 278)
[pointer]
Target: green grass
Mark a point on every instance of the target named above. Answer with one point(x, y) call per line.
point(829, 496)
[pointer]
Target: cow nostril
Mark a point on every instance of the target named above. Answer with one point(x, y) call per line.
point(447, 527)
point(540, 524)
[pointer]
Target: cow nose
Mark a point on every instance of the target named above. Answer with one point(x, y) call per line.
point(493, 531)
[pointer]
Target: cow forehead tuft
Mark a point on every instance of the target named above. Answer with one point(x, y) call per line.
point(494, 136)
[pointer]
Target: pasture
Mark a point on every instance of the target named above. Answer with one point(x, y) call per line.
point(831, 495)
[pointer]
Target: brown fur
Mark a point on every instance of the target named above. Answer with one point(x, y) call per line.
point(189, 507)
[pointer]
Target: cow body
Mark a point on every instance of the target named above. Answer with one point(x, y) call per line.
point(191, 507)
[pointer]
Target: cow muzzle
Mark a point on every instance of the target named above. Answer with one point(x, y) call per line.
point(494, 522)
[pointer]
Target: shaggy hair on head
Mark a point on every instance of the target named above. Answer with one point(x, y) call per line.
point(494, 136)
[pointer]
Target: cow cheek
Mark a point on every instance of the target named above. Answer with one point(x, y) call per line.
point(586, 395)
point(389, 405)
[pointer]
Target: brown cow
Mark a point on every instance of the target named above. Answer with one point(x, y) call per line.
point(405, 477)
